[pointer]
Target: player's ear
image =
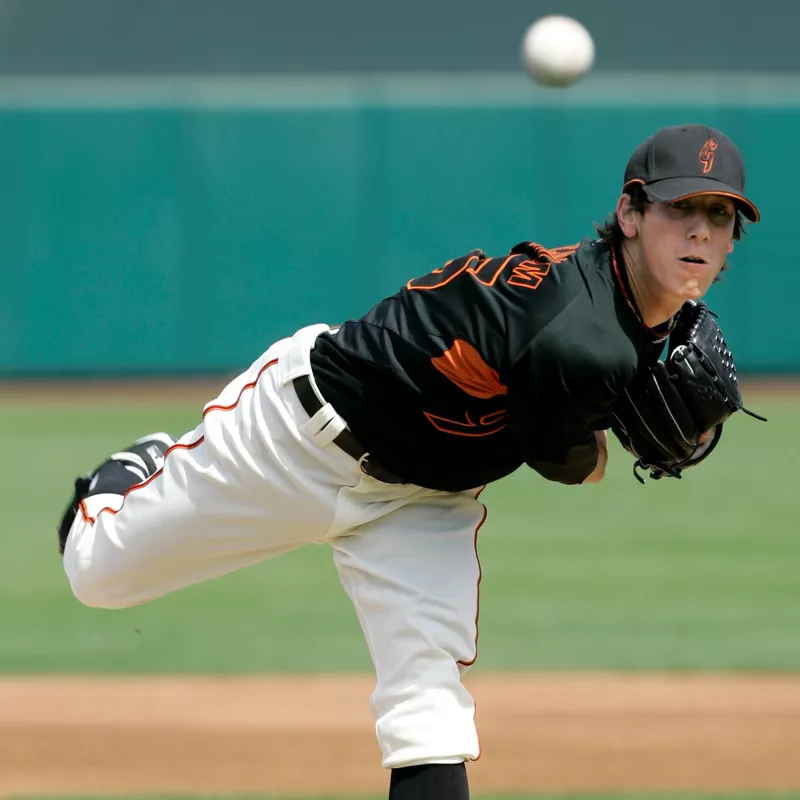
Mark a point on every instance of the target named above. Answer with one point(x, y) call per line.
point(730, 246)
point(627, 216)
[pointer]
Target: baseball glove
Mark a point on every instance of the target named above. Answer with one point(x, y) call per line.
point(670, 416)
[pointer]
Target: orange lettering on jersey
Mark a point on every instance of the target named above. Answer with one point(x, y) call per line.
point(487, 420)
point(489, 270)
point(487, 425)
point(464, 366)
point(443, 275)
point(527, 273)
point(559, 254)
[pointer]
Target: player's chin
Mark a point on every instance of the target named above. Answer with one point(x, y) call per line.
point(692, 290)
point(693, 286)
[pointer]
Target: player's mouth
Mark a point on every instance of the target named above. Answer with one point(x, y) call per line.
point(693, 260)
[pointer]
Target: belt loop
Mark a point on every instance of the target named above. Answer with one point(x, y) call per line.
point(324, 426)
point(296, 360)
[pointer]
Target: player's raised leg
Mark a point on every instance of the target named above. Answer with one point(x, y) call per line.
point(248, 483)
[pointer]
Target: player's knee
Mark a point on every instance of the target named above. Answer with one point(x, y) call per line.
point(95, 594)
point(92, 585)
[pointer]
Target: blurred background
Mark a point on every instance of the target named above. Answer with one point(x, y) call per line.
point(217, 174)
point(184, 181)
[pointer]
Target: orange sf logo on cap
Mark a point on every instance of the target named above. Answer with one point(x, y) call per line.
point(707, 155)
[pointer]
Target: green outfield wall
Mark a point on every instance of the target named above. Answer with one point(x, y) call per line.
point(155, 226)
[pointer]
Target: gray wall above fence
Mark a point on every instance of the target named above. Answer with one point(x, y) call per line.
point(234, 36)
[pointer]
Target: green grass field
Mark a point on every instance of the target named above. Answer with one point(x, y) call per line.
point(695, 574)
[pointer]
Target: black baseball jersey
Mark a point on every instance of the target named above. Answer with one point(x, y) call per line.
point(485, 364)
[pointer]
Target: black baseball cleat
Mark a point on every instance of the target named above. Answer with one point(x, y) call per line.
point(135, 464)
point(117, 474)
point(145, 456)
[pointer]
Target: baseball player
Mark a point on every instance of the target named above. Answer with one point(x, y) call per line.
point(377, 437)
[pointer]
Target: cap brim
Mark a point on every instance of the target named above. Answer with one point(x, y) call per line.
point(671, 189)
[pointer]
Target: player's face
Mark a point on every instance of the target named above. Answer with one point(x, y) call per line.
point(684, 244)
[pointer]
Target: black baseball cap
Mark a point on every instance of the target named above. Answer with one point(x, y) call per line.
point(686, 160)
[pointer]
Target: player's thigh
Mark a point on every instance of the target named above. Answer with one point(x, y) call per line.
point(413, 576)
point(245, 485)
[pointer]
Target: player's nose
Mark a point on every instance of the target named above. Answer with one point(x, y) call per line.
point(699, 227)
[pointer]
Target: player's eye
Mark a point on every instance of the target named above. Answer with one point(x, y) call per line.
point(721, 214)
point(681, 205)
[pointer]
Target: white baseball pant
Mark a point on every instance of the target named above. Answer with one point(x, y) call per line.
point(257, 478)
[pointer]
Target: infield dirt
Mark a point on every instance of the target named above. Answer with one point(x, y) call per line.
point(314, 734)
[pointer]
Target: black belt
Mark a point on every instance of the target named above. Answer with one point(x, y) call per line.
point(345, 440)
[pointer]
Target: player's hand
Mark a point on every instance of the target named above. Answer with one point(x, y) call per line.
point(597, 474)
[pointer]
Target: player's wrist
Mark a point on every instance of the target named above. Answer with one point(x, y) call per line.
point(599, 471)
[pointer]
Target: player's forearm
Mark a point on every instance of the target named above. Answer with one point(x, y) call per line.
point(575, 466)
point(599, 471)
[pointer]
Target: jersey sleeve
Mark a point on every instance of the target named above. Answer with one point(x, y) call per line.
point(562, 388)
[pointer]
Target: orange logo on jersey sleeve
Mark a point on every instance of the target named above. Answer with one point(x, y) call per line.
point(487, 424)
point(464, 366)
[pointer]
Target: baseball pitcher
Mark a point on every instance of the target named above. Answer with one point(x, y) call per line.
point(377, 436)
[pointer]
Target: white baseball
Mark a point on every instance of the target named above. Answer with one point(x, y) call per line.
point(557, 50)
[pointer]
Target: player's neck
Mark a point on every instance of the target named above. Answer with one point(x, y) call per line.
point(654, 307)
